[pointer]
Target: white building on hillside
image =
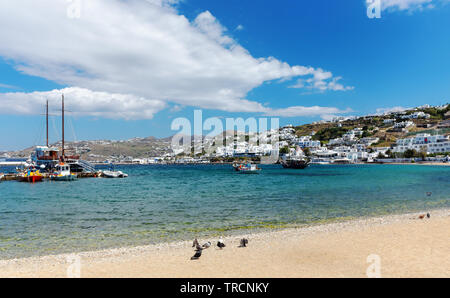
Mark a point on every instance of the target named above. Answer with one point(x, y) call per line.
point(337, 141)
point(404, 124)
point(416, 115)
point(369, 141)
point(424, 142)
point(307, 142)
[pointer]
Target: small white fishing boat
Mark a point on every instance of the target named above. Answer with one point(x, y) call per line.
point(62, 173)
point(1, 177)
point(114, 174)
point(248, 169)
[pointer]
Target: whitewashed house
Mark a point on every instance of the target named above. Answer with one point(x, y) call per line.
point(424, 142)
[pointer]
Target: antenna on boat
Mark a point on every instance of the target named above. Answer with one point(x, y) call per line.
point(63, 153)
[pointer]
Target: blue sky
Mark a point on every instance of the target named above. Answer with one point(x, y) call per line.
point(399, 60)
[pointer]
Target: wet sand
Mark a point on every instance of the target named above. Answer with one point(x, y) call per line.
point(406, 245)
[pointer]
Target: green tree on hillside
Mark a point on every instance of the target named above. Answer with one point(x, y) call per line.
point(284, 150)
point(307, 151)
point(410, 153)
point(330, 133)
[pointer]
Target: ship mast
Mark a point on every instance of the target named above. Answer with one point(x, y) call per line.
point(63, 152)
point(46, 116)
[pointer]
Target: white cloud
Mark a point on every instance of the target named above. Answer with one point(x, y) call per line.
point(85, 102)
point(410, 5)
point(321, 81)
point(382, 111)
point(209, 25)
point(6, 86)
point(143, 48)
point(239, 28)
point(81, 102)
point(300, 111)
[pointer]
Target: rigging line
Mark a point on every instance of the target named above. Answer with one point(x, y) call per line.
point(54, 128)
point(38, 133)
point(73, 129)
point(41, 131)
point(35, 134)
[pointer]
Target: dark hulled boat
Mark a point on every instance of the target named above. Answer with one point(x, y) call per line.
point(295, 163)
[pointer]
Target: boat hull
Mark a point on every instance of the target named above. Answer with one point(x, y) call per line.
point(113, 174)
point(64, 178)
point(249, 172)
point(31, 179)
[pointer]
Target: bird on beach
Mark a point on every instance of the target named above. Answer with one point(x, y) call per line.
point(196, 245)
point(197, 255)
point(206, 245)
point(243, 242)
point(428, 215)
point(220, 244)
point(422, 216)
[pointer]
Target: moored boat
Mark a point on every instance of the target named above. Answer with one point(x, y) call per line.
point(237, 166)
point(47, 158)
point(31, 175)
point(248, 169)
point(294, 163)
point(114, 174)
point(62, 173)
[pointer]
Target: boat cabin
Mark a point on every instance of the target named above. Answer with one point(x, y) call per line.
point(46, 153)
point(63, 169)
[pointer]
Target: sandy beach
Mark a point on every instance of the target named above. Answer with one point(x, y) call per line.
point(406, 245)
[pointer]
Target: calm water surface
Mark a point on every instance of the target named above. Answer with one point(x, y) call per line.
point(168, 203)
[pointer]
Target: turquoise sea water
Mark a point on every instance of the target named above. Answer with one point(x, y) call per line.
point(169, 203)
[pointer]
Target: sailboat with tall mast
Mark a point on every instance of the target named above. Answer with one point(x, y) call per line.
point(48, 158)
point(62, 170)
point(45, 157)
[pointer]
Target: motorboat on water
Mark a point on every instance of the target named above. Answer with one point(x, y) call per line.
point(2, 176)
point(62, 173)
point(31, 175)
point(248, 169)
point(237, 166)
point(112, 173)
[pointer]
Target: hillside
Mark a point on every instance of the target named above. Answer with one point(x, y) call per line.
point(374, 126)
point(106, 149)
